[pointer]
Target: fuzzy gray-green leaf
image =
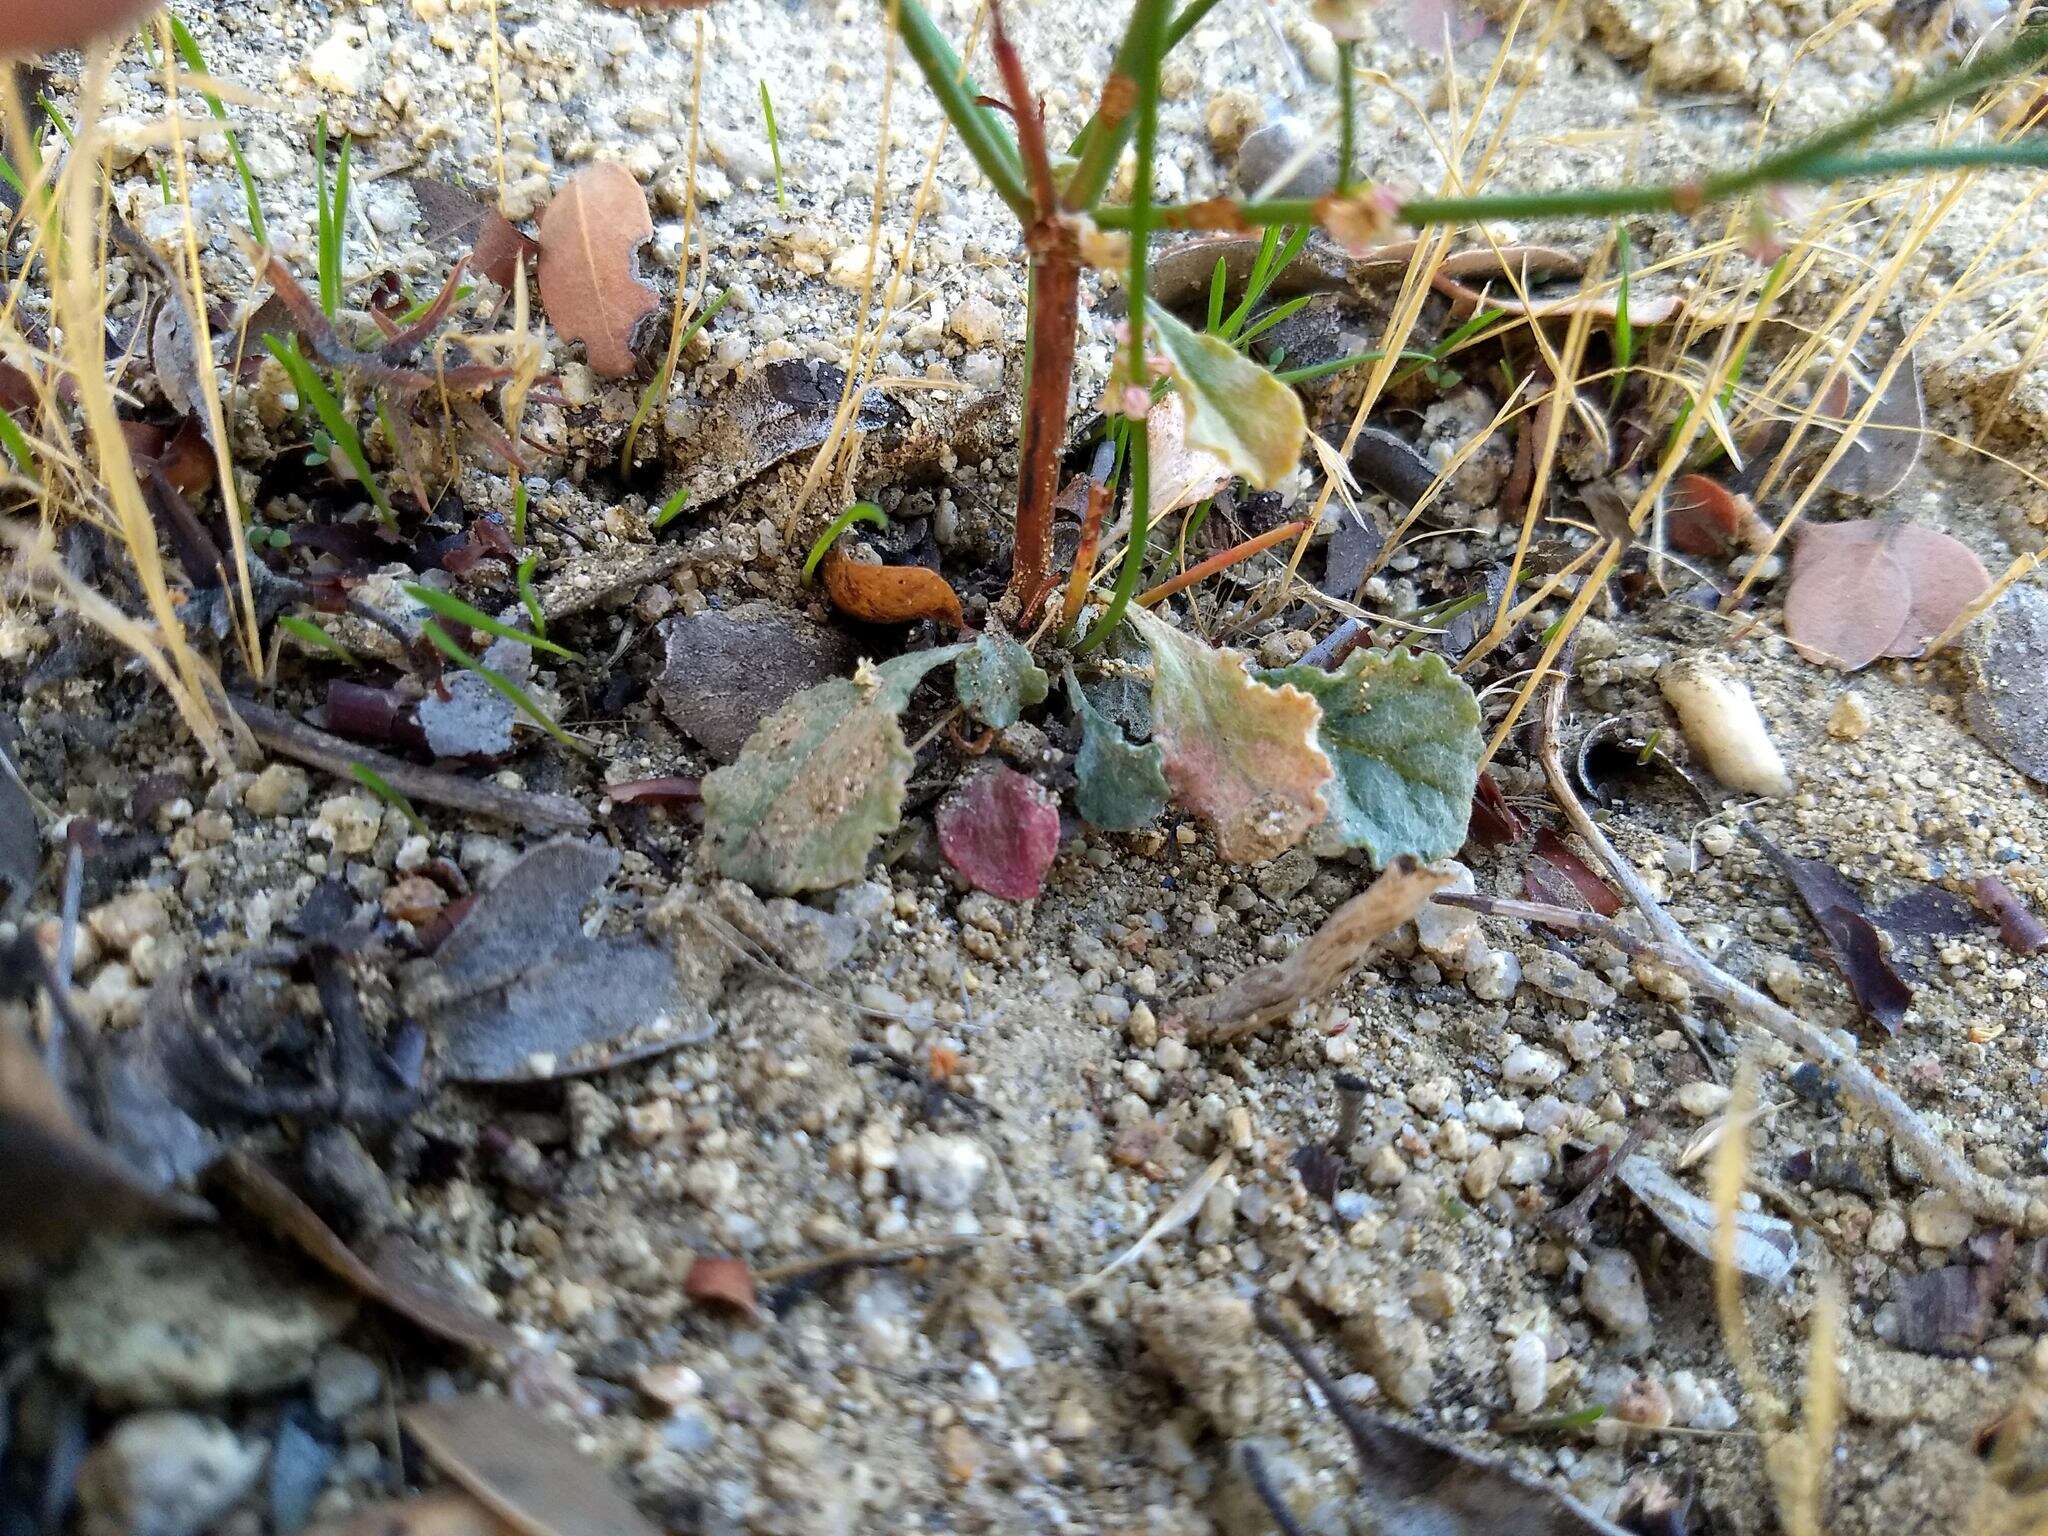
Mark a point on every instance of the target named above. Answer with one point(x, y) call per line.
point(1122, 787)
point(1403, 733)
point(818, 782)
point(999, 681)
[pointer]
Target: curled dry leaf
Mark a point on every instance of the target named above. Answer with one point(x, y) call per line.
point(1267, 994)
point(432, 1309)
point(1562, 878)
point(1706, 519)
point(1001, 831)
point(589, 278)
point(1853, 939)
point(1239, 753)
point(523, 1468)
point(1181, 475)
point(2023, 932)
point(457, 219)
point(1764, 1245)
point(721, 1282)
point(1883, 454)
point(889, 594)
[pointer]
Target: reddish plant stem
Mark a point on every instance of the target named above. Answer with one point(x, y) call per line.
point(1224, 561)
point(1091, 537)
point(1055, 317)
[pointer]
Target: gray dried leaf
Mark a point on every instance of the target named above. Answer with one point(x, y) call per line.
point(1877, 463)
point(465, 716)
point(2007, 703)
point(724, 673)
point(1765, 1248)
point(787, 408)
point(1853, 942)
point(1946, 1311)
point(523, 1468)
point(518, 992)
point(21, 841)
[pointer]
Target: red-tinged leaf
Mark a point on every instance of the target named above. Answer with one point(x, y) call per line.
point(17, 390)
point(1707, 519)
point(1858, 952)
point(1561, 877)
point(721, 1282)
point(590, 237)
point(889, 594)
point(1946, 576)
point(187, 459)
point(1495, 823)
point(455, 218)
point(1001, 831)
point(2023, 932)
point(675, 790)
point(1850, 598)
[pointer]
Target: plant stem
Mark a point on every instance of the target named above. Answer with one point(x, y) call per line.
point(1345, 127)
point(1055, 310)
point(1148, 39)
point(977, 126)
point(1222, 562)
point(1102, 139)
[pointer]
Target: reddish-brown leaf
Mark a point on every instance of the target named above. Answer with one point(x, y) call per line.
point(1850, 598)
point(1001, 830)
point(1560, 877)
point(455, 217)
point(522, 1467)
point(1707, 519)
point(1494, 822)
point(889, 594)
point(1946, 576)
point(721, 1282)
point(590, 237)
point(30, 27)
point(1853, 940)
point(2023, 932)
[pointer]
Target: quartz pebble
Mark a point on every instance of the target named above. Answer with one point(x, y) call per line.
point(1612, 1291)
point(1527, 1364)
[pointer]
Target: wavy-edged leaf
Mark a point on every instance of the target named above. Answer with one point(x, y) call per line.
point(1241, 754)
point(1122, 787)
point(589, 277)
point(889, 594)
point(1236, 410)
point(997, 681)
point(1001, 831)
point(818, 783)
point(1402, 731)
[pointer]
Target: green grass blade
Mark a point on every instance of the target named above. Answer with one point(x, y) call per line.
point(673, 507)
point(774, 146)
point(312, 634)
point(188, 50)
point(987, 140)
point(18, 447)
point(313, 392)
point(505, 688)
point(518, 509)
point(522, 578)
point(449, 606)
point(1271, 318)
point(1217, 280)
point(859, 512)
point(383, 789)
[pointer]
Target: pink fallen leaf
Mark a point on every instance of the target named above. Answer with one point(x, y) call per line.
point(1181, 475)
point(1001, 831)
point(590, 237)
point(30, 27)
point(1947, 577)
point(1850, 597)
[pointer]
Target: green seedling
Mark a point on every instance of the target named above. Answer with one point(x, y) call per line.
point(1624, 332)
point(528, 598)
point(519, 501)
point(313, 391)
point(859, 512)
point(449, 606)
point(383, 789)
point(673, 507)
point(502, 685)
point(312, 634)
point(657, 387)
point(187, 47)
point(331, 215)
point(774, 146)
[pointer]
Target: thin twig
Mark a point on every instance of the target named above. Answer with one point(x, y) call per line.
point(1220, 562)
point(1982, 1195)
point(479, 797)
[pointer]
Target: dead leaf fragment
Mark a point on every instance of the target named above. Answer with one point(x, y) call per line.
point(2023, 932)
point(1853, 940)
point(523, 1468)
point(1850, 597)
point(456, 219)
point(445, 1512)
point(889, 594)
point(432, 1309)
point(1764, 1245)
point(29, 27)
point(1181, 475)
point(1267, 994)
point(721, 1282)
point(589, 280)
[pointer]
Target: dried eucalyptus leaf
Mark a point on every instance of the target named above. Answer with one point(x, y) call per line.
point(997, 681)
point(819, 783)
point(523, 1468)
point(1403, 733)
point(1236, 410)
point(1764, 1246)
point(1122, 787)
point(1239, 753)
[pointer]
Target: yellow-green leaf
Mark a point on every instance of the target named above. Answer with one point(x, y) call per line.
point(1236, 410)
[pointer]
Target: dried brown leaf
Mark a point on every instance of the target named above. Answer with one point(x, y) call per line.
point(523, 1468)
point(721, 1282)
point(1850, 597)
point(1853, 940)
point(2023, 932)
point(589, 279)
point(1946, 576)
point(446, 1512)
point(435, 1311)
point(1267, 994)
point(889, 594)
point(457, 219)
point(29, 27)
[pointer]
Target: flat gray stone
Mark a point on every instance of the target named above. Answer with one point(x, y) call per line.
point(726, 672)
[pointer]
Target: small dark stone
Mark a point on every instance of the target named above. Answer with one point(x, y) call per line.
point(1321, 1171)
point(344, 1183)
point(1946, 1311)
point(725, 672)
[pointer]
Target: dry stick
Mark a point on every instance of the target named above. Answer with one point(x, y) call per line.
point(1224, 561)
point(1983, 1196)
point(281, 733)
